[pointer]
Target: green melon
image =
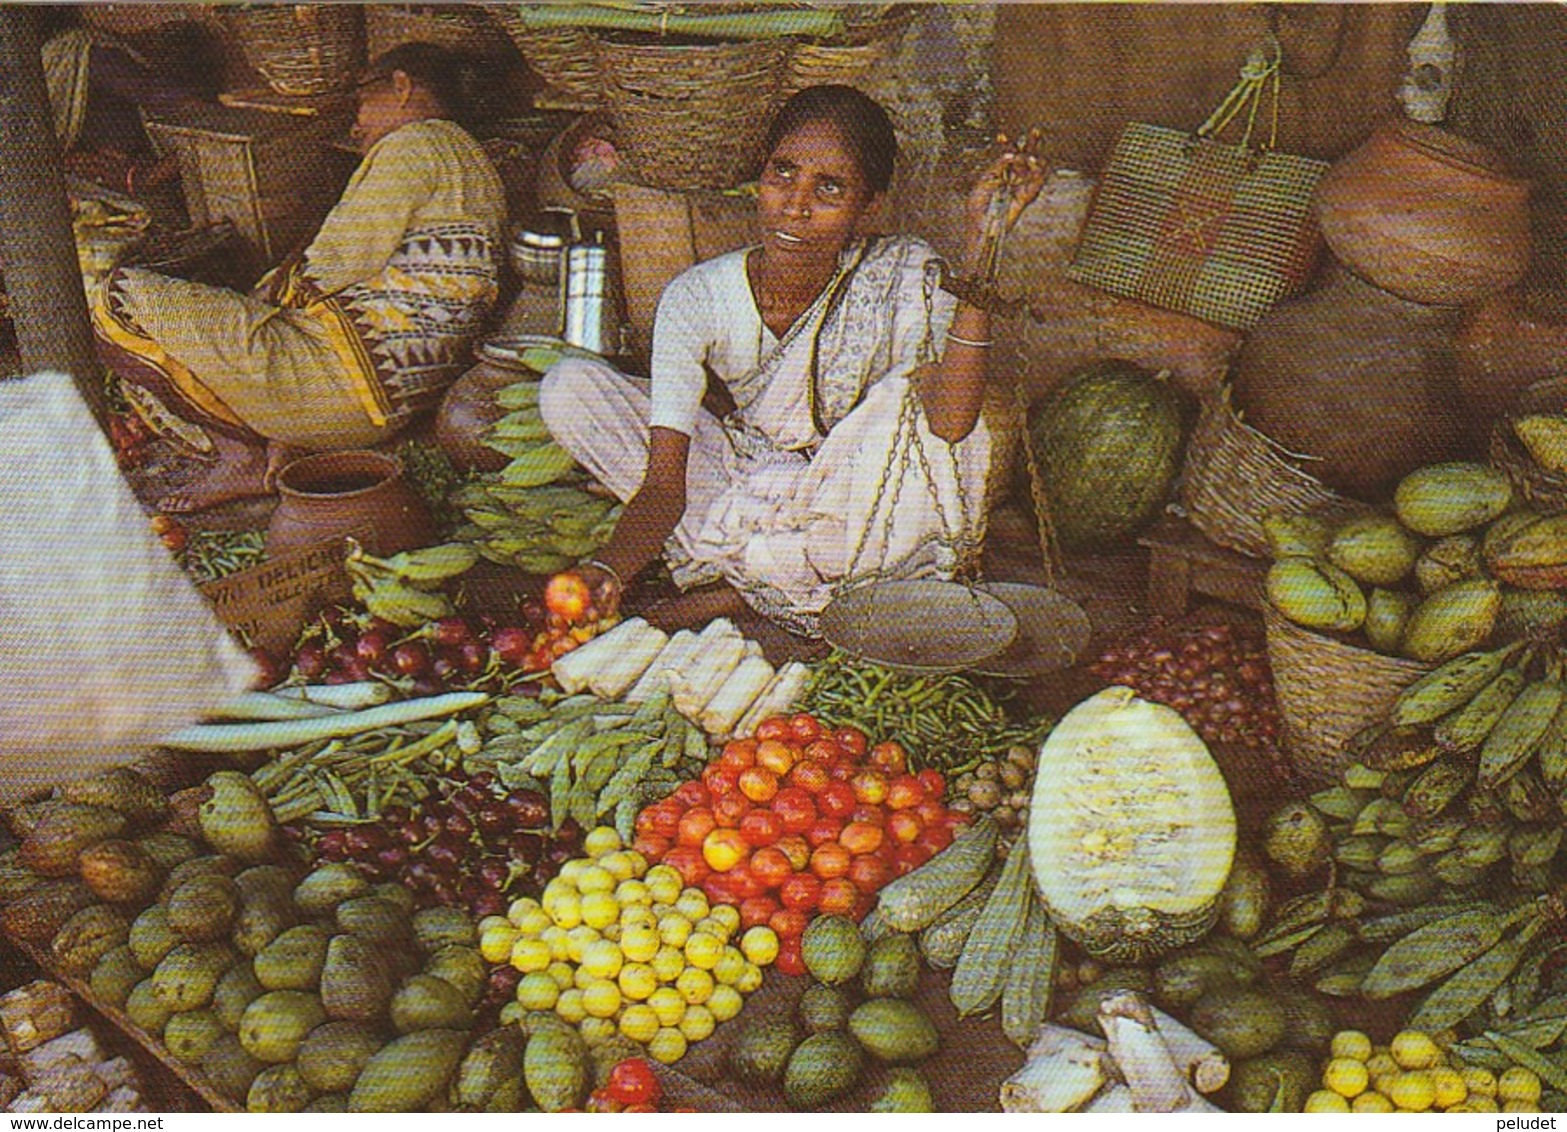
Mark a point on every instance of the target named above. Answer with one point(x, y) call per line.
point(1108, 447)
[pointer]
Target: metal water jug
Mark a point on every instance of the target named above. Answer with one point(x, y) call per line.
point(588, 316)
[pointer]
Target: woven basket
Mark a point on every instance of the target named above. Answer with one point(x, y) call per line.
point(692, 116)
point(1543, 490)
point(138, 19)
point(1235, 476)
point(301, 48)
point(459, 27)
point(1327, 691)
point(847, 60)
point(563, 57)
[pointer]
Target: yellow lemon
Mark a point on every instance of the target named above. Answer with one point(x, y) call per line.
point(668, 1046)
point(612, 932)
point(520, 906)
point(496, 943)
point(581, 979)
point(703, 950)
point(597, 1031)
point(529, 955)
point(533, 921)
point(637, 981)
point(692, 904)
point(697, 1024)
point(668, 963)
point(695, 985)
point(664, 882)
point(618, 865)
point(1450, 1087)
point(600, 840)
point(538, 991)
point(639, 942)
point(601, 998)
point(512, 1014)
point(668, 1005)
point(1520, 1106)
point(569, 872)
point(489, 922)
point(566, 911)
point(760, 945)
point(559, 941)
point(725, 1003)
point(596, 879)
point(599, 910)
point(1518, 1084)
point(750, 979)
point(1370, 1102)
point(1346, 1077)
point(730, 966)
point(1413, 1090)
point(1380, 1065)
point(1479, 1079)
point(638, 862)
point(564, 974)
point(729, 916)
point(602, 959)
point(639, 1022)
point(633, 893)
point(1324, 1100)
point(1413, 1049)
point(715, 927)
point(578, 940)
point(1351, 1043)
point(674, 929)
point(1479, 1102)
point(569, 1006)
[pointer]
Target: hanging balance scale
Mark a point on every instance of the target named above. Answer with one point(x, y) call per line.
point(930, 625)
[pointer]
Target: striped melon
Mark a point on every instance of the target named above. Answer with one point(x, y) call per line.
point(1131, 830)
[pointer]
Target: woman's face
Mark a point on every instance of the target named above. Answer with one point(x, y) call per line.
point(812, 195)
point(381, 110)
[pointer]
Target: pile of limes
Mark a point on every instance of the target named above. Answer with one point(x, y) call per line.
point(1412, 1073)
point(615, 947)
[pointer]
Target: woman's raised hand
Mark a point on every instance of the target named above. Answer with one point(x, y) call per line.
point(1018, 166)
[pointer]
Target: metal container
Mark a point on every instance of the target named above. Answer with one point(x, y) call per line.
point(588, 315)
point(540, 245)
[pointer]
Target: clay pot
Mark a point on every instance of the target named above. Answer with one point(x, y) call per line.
point(1506, 344)
point(1426, 215)
point(468, 410)
point(1356, 379)
point(337, 494)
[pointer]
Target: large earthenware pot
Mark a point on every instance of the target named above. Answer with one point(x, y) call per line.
point(1427, 215)
point(468, 410)
point(336, 494)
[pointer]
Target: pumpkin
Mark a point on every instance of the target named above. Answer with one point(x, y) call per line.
point(1108, 447)
point(1131, 829)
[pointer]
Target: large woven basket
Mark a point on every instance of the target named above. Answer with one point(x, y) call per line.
point(1541, 489)
point(692, 116)
point(1234, 477)
point(866, 43)
point(301, 49)
point(1328, 690)
point(460, 27)
point(563, 57)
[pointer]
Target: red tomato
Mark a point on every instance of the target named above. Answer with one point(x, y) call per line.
point(933, 783)
point(889, 757)
point(770, 866)
point(852, 740)
point(666, 819)
point(830, 860)
point(839, 896)
point(694, 827)
point(842, 771)
point(652, 846)
point(599, 1100)
point(738, 755)
point(796, 849)
point(691, 793)
point(761, 827)
point(931, 812)
point(774, 727)
point(632, 1082)
point(743, 882)
point(868, 872)
point(822, 831)
point(904, 825)
point(644, 822)
point(788, 923)
point(687, 861)
point(823, 750)
point(800, 892)
point(836, 800)
point(870, 787)
point(889, 853)
point(723, 849)
point(934, 838)
point(776, 756)
point(758, 784)
point(809, 775)
point(718, 889)
point(796, 809)
point(720, 780)
point(730, 809)
point(956, 820)
point(911, 856)
point(789, 961)
point(804, 728)
point(904, 792)
point(758, 910)
point(875, 815)
point(861, 837)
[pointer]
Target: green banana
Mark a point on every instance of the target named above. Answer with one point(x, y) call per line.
point(519, 395)
point(1519, 731)
point(1552, 750)
point(402, 605)
point(1437, 787)
point(541, 464)
point(1466, 728)
point(1448, 687)
point(434, 563)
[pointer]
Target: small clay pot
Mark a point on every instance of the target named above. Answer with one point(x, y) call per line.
point(335, 494)
point(468, 410)
point(1427, 215)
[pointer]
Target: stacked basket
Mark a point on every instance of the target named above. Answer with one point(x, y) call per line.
point(459, 27)
point(301, 49)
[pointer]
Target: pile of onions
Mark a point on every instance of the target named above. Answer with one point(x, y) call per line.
point(1215, 674)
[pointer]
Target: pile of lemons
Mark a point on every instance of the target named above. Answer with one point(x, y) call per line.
point(1413, 1074)
point(615, 947)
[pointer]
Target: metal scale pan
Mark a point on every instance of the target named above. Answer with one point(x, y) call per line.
point(919, 624)
point(1052, 632)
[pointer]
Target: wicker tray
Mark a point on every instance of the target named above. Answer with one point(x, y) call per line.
point(1328, 690)
point(1234, 477)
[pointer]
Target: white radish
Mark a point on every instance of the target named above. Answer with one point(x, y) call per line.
point(614, 679)
point(656, 678)
point(738, 693)
point(776, 699)
point(573, 670)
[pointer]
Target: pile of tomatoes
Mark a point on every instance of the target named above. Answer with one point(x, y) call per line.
point(796, 820)
point(632, 1086)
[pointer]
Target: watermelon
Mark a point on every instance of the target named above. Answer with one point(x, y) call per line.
point(1108, 446)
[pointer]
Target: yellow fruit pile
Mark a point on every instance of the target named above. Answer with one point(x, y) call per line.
point(615, 947)
point(1413, 1074)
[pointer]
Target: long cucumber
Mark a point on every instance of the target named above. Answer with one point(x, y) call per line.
point(982, 968)
point(913, 901)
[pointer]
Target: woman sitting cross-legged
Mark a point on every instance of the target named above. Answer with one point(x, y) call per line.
point(340, 347)
point(850, 438)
